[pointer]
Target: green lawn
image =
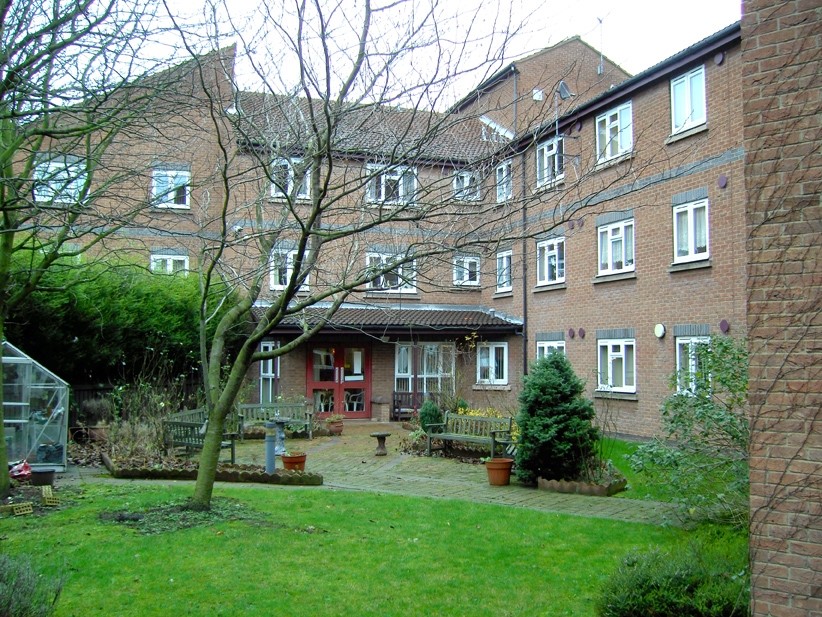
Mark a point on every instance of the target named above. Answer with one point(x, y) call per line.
point(303, 551)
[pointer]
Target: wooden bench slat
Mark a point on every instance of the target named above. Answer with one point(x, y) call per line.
point(470, 429)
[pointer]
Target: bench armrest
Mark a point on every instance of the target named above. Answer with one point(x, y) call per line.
point(434, 424)
point(500, 430)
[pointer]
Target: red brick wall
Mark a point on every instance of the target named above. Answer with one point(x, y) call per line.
point(782, 44)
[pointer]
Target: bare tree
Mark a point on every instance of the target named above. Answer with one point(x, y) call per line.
point(66, 93)
point(338, 150)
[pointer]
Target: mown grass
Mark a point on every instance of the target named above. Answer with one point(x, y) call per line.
point(320, 552)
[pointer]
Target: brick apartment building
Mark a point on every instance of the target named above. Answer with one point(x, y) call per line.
point(560, 205)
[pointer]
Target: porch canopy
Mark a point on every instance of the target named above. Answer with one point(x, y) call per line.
point(393, 321)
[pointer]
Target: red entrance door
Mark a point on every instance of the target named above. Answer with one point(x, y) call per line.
point(339, 380)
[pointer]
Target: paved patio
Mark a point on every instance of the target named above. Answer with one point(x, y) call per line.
point(348, 462)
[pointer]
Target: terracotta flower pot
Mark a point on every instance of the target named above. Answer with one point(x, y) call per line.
point(295, 461)
point(499, 471)
point(335, 428)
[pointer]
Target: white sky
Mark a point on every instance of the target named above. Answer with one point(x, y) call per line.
point(635, 34)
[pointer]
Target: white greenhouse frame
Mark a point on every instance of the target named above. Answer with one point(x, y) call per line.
point(35, 407)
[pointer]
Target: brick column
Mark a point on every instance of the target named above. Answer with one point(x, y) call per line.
point(782, 87)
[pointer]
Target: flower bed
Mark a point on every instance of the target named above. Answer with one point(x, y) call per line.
point(187, 470)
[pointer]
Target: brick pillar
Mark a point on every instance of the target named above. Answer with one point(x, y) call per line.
point(782, 115)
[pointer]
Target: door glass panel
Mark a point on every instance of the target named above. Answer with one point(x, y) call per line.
point(323, 364)
point(354, 364)
point(323, 401)
point(355, 400)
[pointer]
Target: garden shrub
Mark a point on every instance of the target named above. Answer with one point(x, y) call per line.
point(702, 456)
point(429, 414)
point(702, 581)
point(24, 592)
point(557, 438)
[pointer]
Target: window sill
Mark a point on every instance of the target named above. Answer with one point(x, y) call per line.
point(690, 265)
point(617, 396)
point(491, 387)
point(405, 295)
point(614, 161)
point(675, 137)
point(549, 287)
point(619, 276)
point(503, 294)
point(458, 287)
point(549, 186)
point(171, 208)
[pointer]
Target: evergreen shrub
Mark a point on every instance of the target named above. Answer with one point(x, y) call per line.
point(557, 438)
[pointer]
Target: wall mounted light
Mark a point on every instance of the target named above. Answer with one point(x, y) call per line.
point(659, 330)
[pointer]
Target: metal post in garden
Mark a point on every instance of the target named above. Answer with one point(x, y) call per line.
point(270, 447)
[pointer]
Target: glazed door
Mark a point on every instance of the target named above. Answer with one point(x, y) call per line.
point(339, 380)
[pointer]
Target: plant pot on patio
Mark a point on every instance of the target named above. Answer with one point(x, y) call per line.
point(499, 471)
point(334, 424)
point(294, 461)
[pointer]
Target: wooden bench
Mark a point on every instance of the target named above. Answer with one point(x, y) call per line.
point(191, 436)
point(470, 429)
point(299, 414)
point(406, 404)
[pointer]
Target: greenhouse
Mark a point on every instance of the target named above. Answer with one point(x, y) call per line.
point(35, 407)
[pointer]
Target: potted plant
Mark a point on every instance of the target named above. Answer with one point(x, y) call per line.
point(334, 423)
point(499, 471)
point(294, 461)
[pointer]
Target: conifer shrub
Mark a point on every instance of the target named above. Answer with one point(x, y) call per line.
point(557, 438)
point(430, 413)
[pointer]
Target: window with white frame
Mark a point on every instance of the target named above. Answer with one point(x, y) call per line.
point(466, 270)
point(550, 163)
point(614, 133)
point(289, 177)
point(617, 365)
point(551, 261)
point(616, 247)
point(505, 181)
point(492, 363)
point(424, 368)
point(282, 269)
point(59, 180)
point(691, 231)
point(169, 264)
point(269, 374)
point(688, 100)
point(391, 184)
point(687, 360)
point(170, 188)
point(401, 278)
point(504, 276)
point(466, 186)
point(546, 348)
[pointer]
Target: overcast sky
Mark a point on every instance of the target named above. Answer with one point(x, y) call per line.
point(635, 34)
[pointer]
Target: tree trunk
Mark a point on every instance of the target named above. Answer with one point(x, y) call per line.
point(5, 481)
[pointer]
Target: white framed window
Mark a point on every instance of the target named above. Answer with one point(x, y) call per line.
point(169, 264)
point(59, 180)
point(614, 133)
point(402, 278)
point(269, 374)
point(551, 261)
point(492, 363)
point(466, 186)
point(616, 247)
point(546, 348)
point(466, 270)
point(505, 181)
point(504, 277)
point(290, 177)
point(282, 269)
point(170, 188)
point(687, 361)
point(391, 184)
point(688, 107)
point(550, 163)
point(617, 365)
point(691, 231)
point(424, 368)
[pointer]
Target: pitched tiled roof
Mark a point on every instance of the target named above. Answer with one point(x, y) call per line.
point(388, 319)
point(363, 130)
